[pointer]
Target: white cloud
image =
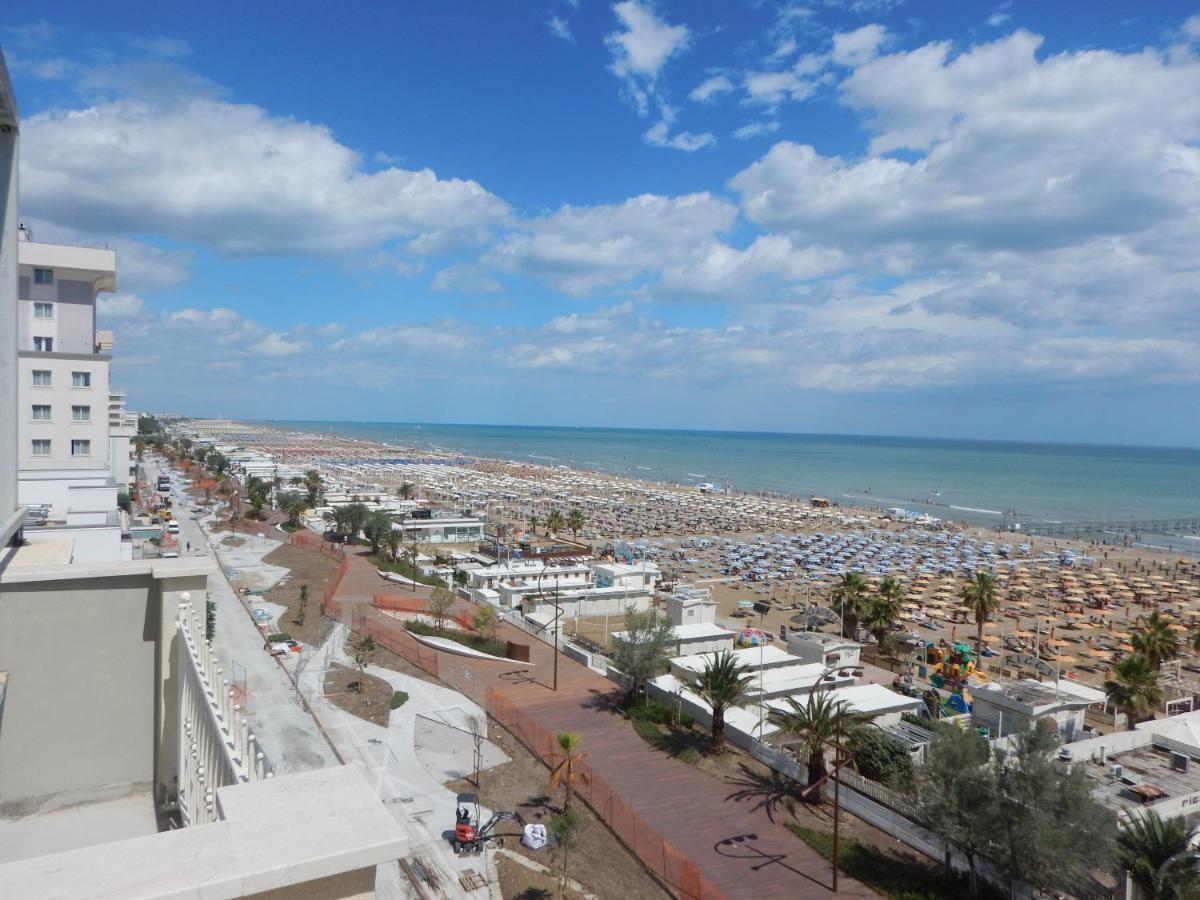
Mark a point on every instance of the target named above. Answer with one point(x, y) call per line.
point(119, 306)
point(580, 249)
point(659, 135)
point(559, 27)
point(642, 48)
point(997, 19)
point(235, 178)
point(853, 48)
point(711, 88)
point(276, 345)
point(471, 279)
point(772, 88)
point(755, 129)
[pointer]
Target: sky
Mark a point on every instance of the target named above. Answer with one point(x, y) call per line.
point(935, 218)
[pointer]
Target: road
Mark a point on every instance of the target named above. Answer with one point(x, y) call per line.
point(287, 731)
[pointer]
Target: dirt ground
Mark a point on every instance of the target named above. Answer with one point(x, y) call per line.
point(308, 568)
point(389, 660)
point(600, 863)
point(372, 703)
point(520, 883)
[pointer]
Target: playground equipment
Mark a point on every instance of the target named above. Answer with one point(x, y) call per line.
point(753, 637)
point(469, 835)
point(954, 670)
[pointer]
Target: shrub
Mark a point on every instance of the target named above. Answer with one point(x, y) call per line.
point(278, 636)
point(647, 730)
point(399, 699)
point(466, 638)
point(881, 757)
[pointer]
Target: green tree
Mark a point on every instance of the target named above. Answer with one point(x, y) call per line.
point(816, 724)
point(554, 521)
point(642, 653)
point(1155, 640)
point(883, 609)
point(293, 505)
point(314, 485)
point(362, 657)
point(302, 605)
point(405, 490)
point(148, 424)
point(575, 521)
point(568, 770)
point(982, 596)
point(567, 830)
point(485, 620)
point(392, 538)
point(1134, 688)
point(461, 578)
point(955, 792)
point(534, 522)
point(1154, 852)
point(1035, 797)
point(881, 757)
point(440, 601)
point(722, 684)
point(849, 597)
point(218, 462)
point(376, 525)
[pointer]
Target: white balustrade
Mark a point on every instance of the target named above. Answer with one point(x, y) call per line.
point(216, 746)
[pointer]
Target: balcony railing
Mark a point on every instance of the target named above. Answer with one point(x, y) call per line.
point(216, 745)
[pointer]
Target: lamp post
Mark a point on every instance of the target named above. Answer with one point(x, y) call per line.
point(557, 615)
point(762, 609)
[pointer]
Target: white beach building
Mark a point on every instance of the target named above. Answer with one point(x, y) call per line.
point(1009, 707)
point(692, 613)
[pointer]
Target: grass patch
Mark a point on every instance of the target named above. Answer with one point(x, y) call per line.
point(898, 877)
point(679, 744)
point(278, 636)
point(466, 638)
point(402, 568)
point(658, 712)
point(399, 698)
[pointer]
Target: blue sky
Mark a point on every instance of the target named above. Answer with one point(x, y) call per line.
point(930, 218)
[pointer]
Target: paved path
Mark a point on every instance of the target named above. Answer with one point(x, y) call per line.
point(723, 826)
point(290, 738)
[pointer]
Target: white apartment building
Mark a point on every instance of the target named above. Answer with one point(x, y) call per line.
point(67, 473)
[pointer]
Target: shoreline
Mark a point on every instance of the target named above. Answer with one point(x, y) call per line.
point(992, 522)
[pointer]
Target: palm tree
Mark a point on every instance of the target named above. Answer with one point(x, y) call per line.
point(565, 771)
point(818, 723)
point(1134, 688)
point(982, 596)
point(849, 600)
point(534, 522)
point(1145, 844)
point(313, 484)
point(722, 684)
point(1155, 640)
point(554, 521)
point(884, 609)
point(575, 521)
point(406, 490)
point(1196, 641)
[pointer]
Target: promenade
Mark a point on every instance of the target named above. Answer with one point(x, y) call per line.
point(706, 835)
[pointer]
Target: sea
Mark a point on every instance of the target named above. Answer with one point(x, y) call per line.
point(989, 483)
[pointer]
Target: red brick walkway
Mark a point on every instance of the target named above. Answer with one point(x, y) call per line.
point(729, 829)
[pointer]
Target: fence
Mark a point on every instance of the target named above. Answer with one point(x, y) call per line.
point(647, 842)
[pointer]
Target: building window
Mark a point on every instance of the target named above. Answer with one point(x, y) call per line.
point(81, 379)
point(43, 310)
point(43, 276)
point(43, 344)
point(41, 447)
point(81, 414)
point(81, 448)
point(41, 378)
point(41, 413)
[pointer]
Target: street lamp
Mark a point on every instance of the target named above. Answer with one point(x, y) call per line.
point(842, 669)
point(557, 616)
